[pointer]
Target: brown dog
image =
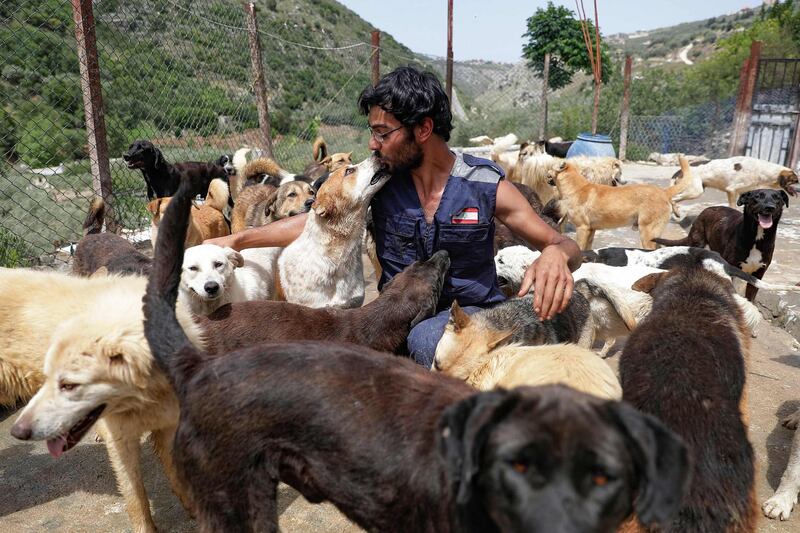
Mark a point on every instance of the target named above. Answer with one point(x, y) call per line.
point(540, 460)
point(323, 163)
point(591, 206)
point(744, 239)
point(686, 364)
point(206, 221)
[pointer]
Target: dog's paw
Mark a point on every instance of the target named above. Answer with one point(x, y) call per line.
point(779, 506)
point(792, 421)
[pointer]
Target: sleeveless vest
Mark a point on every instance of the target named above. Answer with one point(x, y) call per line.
point(463, 225)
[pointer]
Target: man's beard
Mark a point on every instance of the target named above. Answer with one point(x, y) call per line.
point(406, 159)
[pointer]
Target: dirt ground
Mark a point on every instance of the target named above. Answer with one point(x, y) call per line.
point(77, 492)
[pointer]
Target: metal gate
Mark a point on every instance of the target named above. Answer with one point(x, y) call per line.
point(776, 108)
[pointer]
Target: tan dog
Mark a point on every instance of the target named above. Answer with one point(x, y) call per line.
point(513, 365)
point(324, 163)
point(591, 206)
point(262, 204)
point(323, 266)
point(207, 221)
point(82, 341)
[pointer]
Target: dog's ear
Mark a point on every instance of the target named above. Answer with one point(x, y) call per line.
point(661, 460)
point(744, 197)
point(785, 197)
point(495, 337)
point(464, 428)
point(128, 369)
point(236, 259)
point(458, 318)
point(648, 282)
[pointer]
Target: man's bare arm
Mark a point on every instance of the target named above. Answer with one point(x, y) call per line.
point(280, 233)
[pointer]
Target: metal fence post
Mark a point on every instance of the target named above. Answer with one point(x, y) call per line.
point(546, 81)
point(449, 74)
point(93, 106)
point(376, 56)
point(259, 83)
point(744, 100)
point(625, 114)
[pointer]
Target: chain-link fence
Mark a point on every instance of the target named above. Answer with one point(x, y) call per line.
point(175, 72)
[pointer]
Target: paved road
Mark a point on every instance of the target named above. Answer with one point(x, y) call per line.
point(77, 492)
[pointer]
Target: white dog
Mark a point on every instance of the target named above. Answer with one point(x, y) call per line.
point(736, 175)
point(781, 503)
point(323, 266)
point(213, 276)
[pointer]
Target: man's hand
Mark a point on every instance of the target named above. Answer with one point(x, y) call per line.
point(552, 282)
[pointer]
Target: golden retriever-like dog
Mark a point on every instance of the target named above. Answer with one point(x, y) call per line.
point(514, 365)
point(80, 342)
point(207, 221)
point(592, 207)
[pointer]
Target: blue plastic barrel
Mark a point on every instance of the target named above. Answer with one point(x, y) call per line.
point(592, 145)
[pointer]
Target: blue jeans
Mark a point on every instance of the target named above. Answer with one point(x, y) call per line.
point(423, 338)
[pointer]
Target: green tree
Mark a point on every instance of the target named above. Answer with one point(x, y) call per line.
point(555, 29)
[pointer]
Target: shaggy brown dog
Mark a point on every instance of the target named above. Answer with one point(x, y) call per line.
point(106, 250)
point(591, 207)
point(206, 221)
point(685, 364)
point(382, 324)
point(745, 240)
point(345, 425)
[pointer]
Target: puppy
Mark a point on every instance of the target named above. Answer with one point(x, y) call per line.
point(207, 221)
point(685, 364)
point(106, 250)
point(501, 460)
point(781, 503)
point(745, 240)
point(212, 276)
point(162, 178)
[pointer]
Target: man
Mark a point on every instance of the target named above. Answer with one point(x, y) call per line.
point(436, 200)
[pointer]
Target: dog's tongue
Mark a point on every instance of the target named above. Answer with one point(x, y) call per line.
point(57, 445)
point(765, 221)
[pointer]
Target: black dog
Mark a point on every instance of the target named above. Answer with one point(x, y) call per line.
point(396, 448)
point(163, 178)
point(557, 149)
point(745, 240)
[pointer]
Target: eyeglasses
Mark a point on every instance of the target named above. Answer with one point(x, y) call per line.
point(381, 137)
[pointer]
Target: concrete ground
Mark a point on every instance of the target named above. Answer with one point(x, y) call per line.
point(77, 492)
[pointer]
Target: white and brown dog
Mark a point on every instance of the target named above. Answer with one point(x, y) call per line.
point(323, 266)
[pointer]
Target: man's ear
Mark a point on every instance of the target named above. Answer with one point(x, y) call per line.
point(661, 460)
point(424, 129)
point(648, 282)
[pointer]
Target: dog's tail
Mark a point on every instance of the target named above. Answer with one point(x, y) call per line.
point(170, 346)
point(265, 166)
point(683, 182)
point(218, 194)
point(94, 218)
point(738, 273)
point(320, 149)
point(672, 242)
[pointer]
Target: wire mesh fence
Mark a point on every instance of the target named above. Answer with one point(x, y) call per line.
point(178, 73)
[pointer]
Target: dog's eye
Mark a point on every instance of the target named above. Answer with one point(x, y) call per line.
point(292, 195)
point(217, 264)
point(599, 479)
point(519, 466)
point(193, 268)
point(65, 386)
point(349, 171)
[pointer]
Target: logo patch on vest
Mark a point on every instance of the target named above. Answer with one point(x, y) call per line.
point(468, 215)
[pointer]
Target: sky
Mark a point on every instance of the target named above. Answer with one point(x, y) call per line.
point(492, 29)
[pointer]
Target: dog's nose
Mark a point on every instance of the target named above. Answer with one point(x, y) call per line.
point(211, 287)
point(125, 157)
point(21, 431)
point(309, 203)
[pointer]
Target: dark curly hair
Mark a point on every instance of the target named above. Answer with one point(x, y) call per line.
point(410, 95)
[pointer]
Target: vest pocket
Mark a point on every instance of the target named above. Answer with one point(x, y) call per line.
point(394, 238)
point(463, 233)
